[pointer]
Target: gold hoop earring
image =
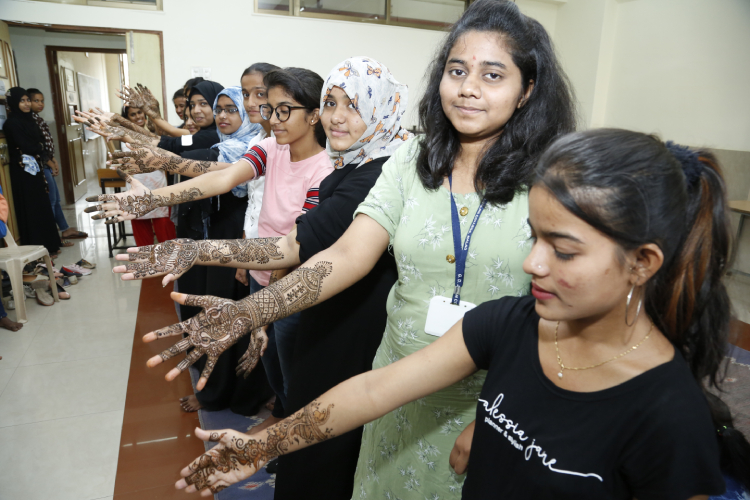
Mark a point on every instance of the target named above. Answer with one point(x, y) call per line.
point(627, 307)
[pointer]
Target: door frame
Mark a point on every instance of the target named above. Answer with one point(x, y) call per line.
point(61, 121)
point(55, 83)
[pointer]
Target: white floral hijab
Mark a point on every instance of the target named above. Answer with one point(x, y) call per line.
point(381, 102)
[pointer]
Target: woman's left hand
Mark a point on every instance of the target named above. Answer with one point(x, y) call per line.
point(236, 457)
point(118, 207)
point(143, 159)
point(256, 349)
point(459, 457)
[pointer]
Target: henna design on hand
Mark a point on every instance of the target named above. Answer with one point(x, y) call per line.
point(241, 455)
point(223, 321)
point(171, 257)
point(249, 360)
point(179, 255)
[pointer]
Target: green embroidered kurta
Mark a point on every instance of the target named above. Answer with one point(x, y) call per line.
point(404, 454)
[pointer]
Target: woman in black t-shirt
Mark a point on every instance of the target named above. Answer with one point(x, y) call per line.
point(592, 388)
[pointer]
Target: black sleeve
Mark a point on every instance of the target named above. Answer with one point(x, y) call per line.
point(675, 456)
point(485, 327)
point(203, 139)
point(201, 154)
point(322, 226)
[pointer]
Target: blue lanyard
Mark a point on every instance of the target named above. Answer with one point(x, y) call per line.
point(461, 251)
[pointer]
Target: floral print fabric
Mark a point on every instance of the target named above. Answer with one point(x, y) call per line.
point(381, 102)
point(404, 454)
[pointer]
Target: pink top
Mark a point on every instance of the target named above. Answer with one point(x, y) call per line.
point(291, 189)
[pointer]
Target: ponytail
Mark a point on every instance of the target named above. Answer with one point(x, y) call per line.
point(733, 446)
point(691, 303)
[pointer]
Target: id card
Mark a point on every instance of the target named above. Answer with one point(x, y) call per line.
point(187, 140)
point(442, 315)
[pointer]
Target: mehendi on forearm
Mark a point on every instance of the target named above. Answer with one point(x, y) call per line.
point(140, 205)
point(257, 250)
point(305, 427)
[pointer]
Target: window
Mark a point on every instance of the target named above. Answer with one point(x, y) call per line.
point(428, 14)
point(119, 4)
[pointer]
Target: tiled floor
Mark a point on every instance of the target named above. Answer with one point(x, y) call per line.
point(63, 379)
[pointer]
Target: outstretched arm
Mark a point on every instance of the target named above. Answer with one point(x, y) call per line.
point(141, 97)
point(147, 159)
point(347, 406)
point(224, 321)
point(174, 258)
point(129, 205)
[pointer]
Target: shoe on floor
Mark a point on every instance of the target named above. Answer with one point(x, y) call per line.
point(29, 292)
point(69, 272)
point(86, 264)
point(78, 269)
point(43, 297)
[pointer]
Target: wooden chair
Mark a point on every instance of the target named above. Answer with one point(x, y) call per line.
point(108, 178)
point(12, 260)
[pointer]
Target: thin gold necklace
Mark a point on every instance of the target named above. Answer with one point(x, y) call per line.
point(563, 367)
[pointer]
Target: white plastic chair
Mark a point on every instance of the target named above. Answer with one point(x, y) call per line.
point(12, 260)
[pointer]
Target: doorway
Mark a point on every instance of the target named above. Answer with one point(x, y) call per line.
point(81, 79)
point(70, 83)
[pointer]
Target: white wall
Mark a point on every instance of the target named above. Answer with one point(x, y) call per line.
point(289, 41)
point(683, 72)
point(28, 45)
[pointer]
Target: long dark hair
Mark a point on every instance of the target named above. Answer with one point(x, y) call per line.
point(507, 164)
point(259, 67)
point(634, 189)
point(302, 85)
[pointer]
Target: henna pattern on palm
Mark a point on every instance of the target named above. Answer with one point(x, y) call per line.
point(222, 321)
point(241, 456)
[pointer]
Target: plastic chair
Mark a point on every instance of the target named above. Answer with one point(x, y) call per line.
point(12, 260)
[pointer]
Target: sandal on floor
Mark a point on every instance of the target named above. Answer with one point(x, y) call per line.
point(43, 297)
point(78, 235)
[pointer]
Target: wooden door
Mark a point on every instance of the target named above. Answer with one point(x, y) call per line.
point(73, 131)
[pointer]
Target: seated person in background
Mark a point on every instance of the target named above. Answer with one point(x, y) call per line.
point(51, 168)
point(5, 321)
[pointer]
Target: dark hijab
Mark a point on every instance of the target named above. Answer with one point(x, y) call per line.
point(21, 127)
point(209, 90)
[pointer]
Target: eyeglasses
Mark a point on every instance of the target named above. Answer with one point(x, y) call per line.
point(282, 111)
point(229, 111)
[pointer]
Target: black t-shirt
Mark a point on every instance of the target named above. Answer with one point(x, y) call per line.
point(648, 438)
point(203, 139)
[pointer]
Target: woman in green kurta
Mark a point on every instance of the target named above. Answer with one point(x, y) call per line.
point(408, 449)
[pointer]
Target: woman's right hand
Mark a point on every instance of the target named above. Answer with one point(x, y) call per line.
point(99, 126)
point(118, 207)
point(172, 258)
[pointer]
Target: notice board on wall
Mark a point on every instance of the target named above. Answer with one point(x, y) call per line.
point(90, 96)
